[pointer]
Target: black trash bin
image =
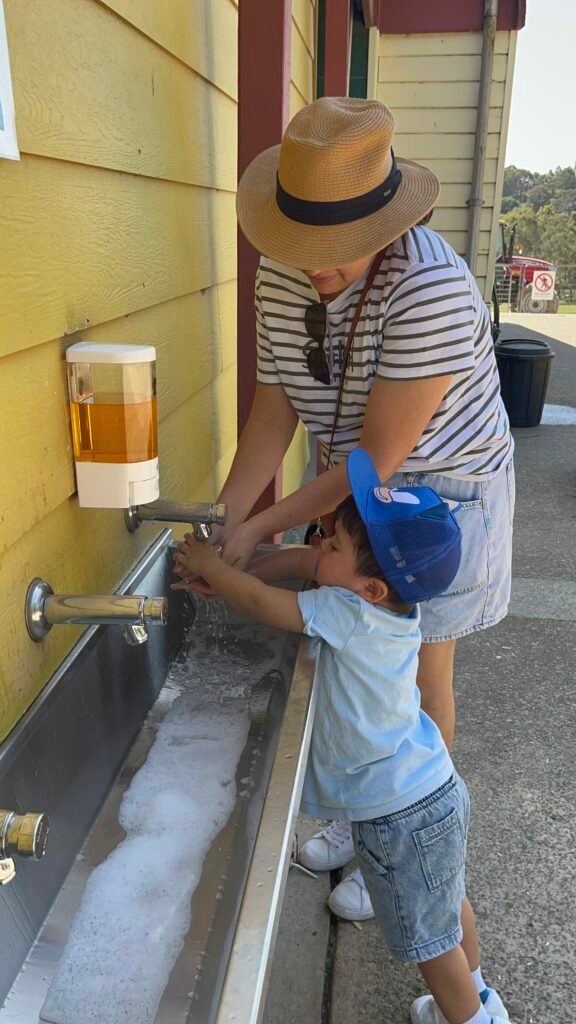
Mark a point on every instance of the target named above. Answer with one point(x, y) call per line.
point(524, 368)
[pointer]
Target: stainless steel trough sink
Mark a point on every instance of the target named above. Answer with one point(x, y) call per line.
point(74, 756)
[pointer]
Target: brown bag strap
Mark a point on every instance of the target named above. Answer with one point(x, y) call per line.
point(367, 285)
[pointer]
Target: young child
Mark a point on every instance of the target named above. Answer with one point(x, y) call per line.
point(376, 759)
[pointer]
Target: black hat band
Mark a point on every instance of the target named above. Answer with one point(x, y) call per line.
point(340, 211)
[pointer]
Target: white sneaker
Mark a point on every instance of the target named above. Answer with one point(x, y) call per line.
point(350, 899)
point(330, 849)
point(425, 1010)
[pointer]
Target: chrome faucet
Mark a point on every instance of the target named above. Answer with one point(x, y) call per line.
point(133, 613)
point(200, 515)
point(21, 835)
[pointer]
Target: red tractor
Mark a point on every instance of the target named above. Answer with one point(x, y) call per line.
point(513, 277)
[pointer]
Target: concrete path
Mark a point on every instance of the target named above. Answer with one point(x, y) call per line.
point(516, 748)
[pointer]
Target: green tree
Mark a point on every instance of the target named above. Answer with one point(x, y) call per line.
point(517, 182)
point(542, 207)
point(557, 236)
point(524, 219)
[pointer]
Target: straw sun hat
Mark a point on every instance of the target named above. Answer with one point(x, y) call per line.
point(332, 192)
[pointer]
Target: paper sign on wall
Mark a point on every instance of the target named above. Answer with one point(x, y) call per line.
point(8, 142)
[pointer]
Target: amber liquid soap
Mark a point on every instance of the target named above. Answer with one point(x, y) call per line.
point(120, 432)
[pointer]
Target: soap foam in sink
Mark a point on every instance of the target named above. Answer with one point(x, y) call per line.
point(135, 911)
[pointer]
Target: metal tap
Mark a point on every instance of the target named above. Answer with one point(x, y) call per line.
point(132, 612)
point(200, 515)
point(21, 835)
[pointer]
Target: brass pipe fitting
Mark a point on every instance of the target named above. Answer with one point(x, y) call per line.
point(23, 835)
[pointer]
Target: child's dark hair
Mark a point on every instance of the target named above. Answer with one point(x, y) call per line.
point(366, 564)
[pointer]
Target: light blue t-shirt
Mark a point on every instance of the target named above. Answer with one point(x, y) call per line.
point(373, 750)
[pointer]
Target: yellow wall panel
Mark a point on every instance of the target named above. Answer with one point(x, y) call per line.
point(296, 461)
point(431, 82)
point(88, 550)
point(196, 436)
point(296, 101)
point(195, 340)
point(302, 91)
point(425, 145)
point(456, 120)
point(438, 94)
point(441, 68)
point(148, 254)
point(301, 66)
point(430, 43)
point(304, 17)
point(201, 33)
point(81, 246)
point(161, 128)
point(35, 442)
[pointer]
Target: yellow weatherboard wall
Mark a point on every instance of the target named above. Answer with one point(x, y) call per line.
point(431, 83)
point(302, 91)
point(118, 224)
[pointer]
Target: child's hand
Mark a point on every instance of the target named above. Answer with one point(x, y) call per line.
point(194, 555)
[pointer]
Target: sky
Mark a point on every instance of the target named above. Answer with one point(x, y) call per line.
point(542, 131)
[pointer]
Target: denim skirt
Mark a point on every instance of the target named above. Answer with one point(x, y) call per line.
point(479, 594)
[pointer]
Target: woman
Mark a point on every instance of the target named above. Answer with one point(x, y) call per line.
point(339, 222)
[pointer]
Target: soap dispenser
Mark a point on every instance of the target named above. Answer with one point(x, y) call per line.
point(114, 423)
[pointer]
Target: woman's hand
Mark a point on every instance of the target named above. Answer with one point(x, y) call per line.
point(239, 545)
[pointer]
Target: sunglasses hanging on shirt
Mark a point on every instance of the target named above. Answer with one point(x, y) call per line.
point(315, 319)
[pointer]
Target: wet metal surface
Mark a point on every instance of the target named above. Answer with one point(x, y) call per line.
point(235, 907)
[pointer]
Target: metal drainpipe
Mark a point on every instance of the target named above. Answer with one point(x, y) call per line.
point(476, 202)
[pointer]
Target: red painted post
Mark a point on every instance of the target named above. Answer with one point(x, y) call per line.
point(264, 30)
point(337, 48)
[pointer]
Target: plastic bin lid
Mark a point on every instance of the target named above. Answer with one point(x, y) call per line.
point(523, 348)
point(99, 352)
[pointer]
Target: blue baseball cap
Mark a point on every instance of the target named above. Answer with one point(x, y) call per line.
point(412, 531)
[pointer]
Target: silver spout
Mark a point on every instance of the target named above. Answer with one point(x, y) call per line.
point(200, 515)
point(45, 609)
point(135, 635)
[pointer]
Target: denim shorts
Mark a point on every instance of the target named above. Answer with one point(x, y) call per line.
point(479, 594)
point(413, 864)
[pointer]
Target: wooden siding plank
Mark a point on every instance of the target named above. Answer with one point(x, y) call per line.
point(443, 147)
point(456, 120)
point(301, 66)
point(37, 465)
point(441, 68)
point(169, 124)
point(202, 34)
point(296, 100)
point(456, 195)
point(482, 270)
point(457, 239)
point(448, 218)
point(439, 94)
point(304, 16)
point(88, 245)
point(195, 341)
point(295, 461)
point(459, 171)
point(429, 44)
point(195, 437)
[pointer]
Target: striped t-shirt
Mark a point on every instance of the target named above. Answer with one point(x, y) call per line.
point(423, 317)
